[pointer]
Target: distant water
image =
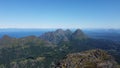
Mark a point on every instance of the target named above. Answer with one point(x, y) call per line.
point(97, 34)
point(18, 33)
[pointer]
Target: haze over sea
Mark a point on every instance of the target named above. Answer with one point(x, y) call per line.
point(18, 33)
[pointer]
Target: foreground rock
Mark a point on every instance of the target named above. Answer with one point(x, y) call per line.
point(88, 59)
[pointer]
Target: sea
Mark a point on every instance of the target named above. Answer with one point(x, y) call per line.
point(18, 33)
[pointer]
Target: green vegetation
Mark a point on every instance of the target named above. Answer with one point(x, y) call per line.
point(35, 52)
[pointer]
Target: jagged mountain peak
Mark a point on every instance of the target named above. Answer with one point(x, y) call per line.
point(59, 31)
point(78, 35)
point(63, 35)
point(68, 30)
point(78, 32)
point(57, 36)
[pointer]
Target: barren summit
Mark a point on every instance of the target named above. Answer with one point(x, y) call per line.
point(88, 59)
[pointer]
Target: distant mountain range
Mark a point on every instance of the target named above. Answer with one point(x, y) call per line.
point(49, 48)
point(60, 35)
point(108, 34)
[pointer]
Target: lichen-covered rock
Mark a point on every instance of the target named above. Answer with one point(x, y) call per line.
point(88, 59)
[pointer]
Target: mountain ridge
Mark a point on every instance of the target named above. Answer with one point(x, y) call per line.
point(88, 59)
point(63, 35)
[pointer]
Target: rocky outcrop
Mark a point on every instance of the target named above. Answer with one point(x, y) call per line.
point(88, 59)
point(57, 36)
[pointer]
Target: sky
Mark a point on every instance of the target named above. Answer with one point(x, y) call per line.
point(60, 14)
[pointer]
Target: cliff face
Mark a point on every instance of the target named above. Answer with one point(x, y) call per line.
point(88, 59)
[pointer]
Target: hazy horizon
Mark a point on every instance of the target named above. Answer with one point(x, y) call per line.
point(51, 28)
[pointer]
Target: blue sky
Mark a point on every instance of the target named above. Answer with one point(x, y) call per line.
point(59, 14)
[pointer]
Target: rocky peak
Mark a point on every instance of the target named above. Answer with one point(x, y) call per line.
point(88, 59)
point(78, 34)
point(63, 35)
point(59, 31)
point(57, 36)
point(68, 31)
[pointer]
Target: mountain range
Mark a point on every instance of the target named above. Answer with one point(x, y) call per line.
point(61, 35)
point(49, 48)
